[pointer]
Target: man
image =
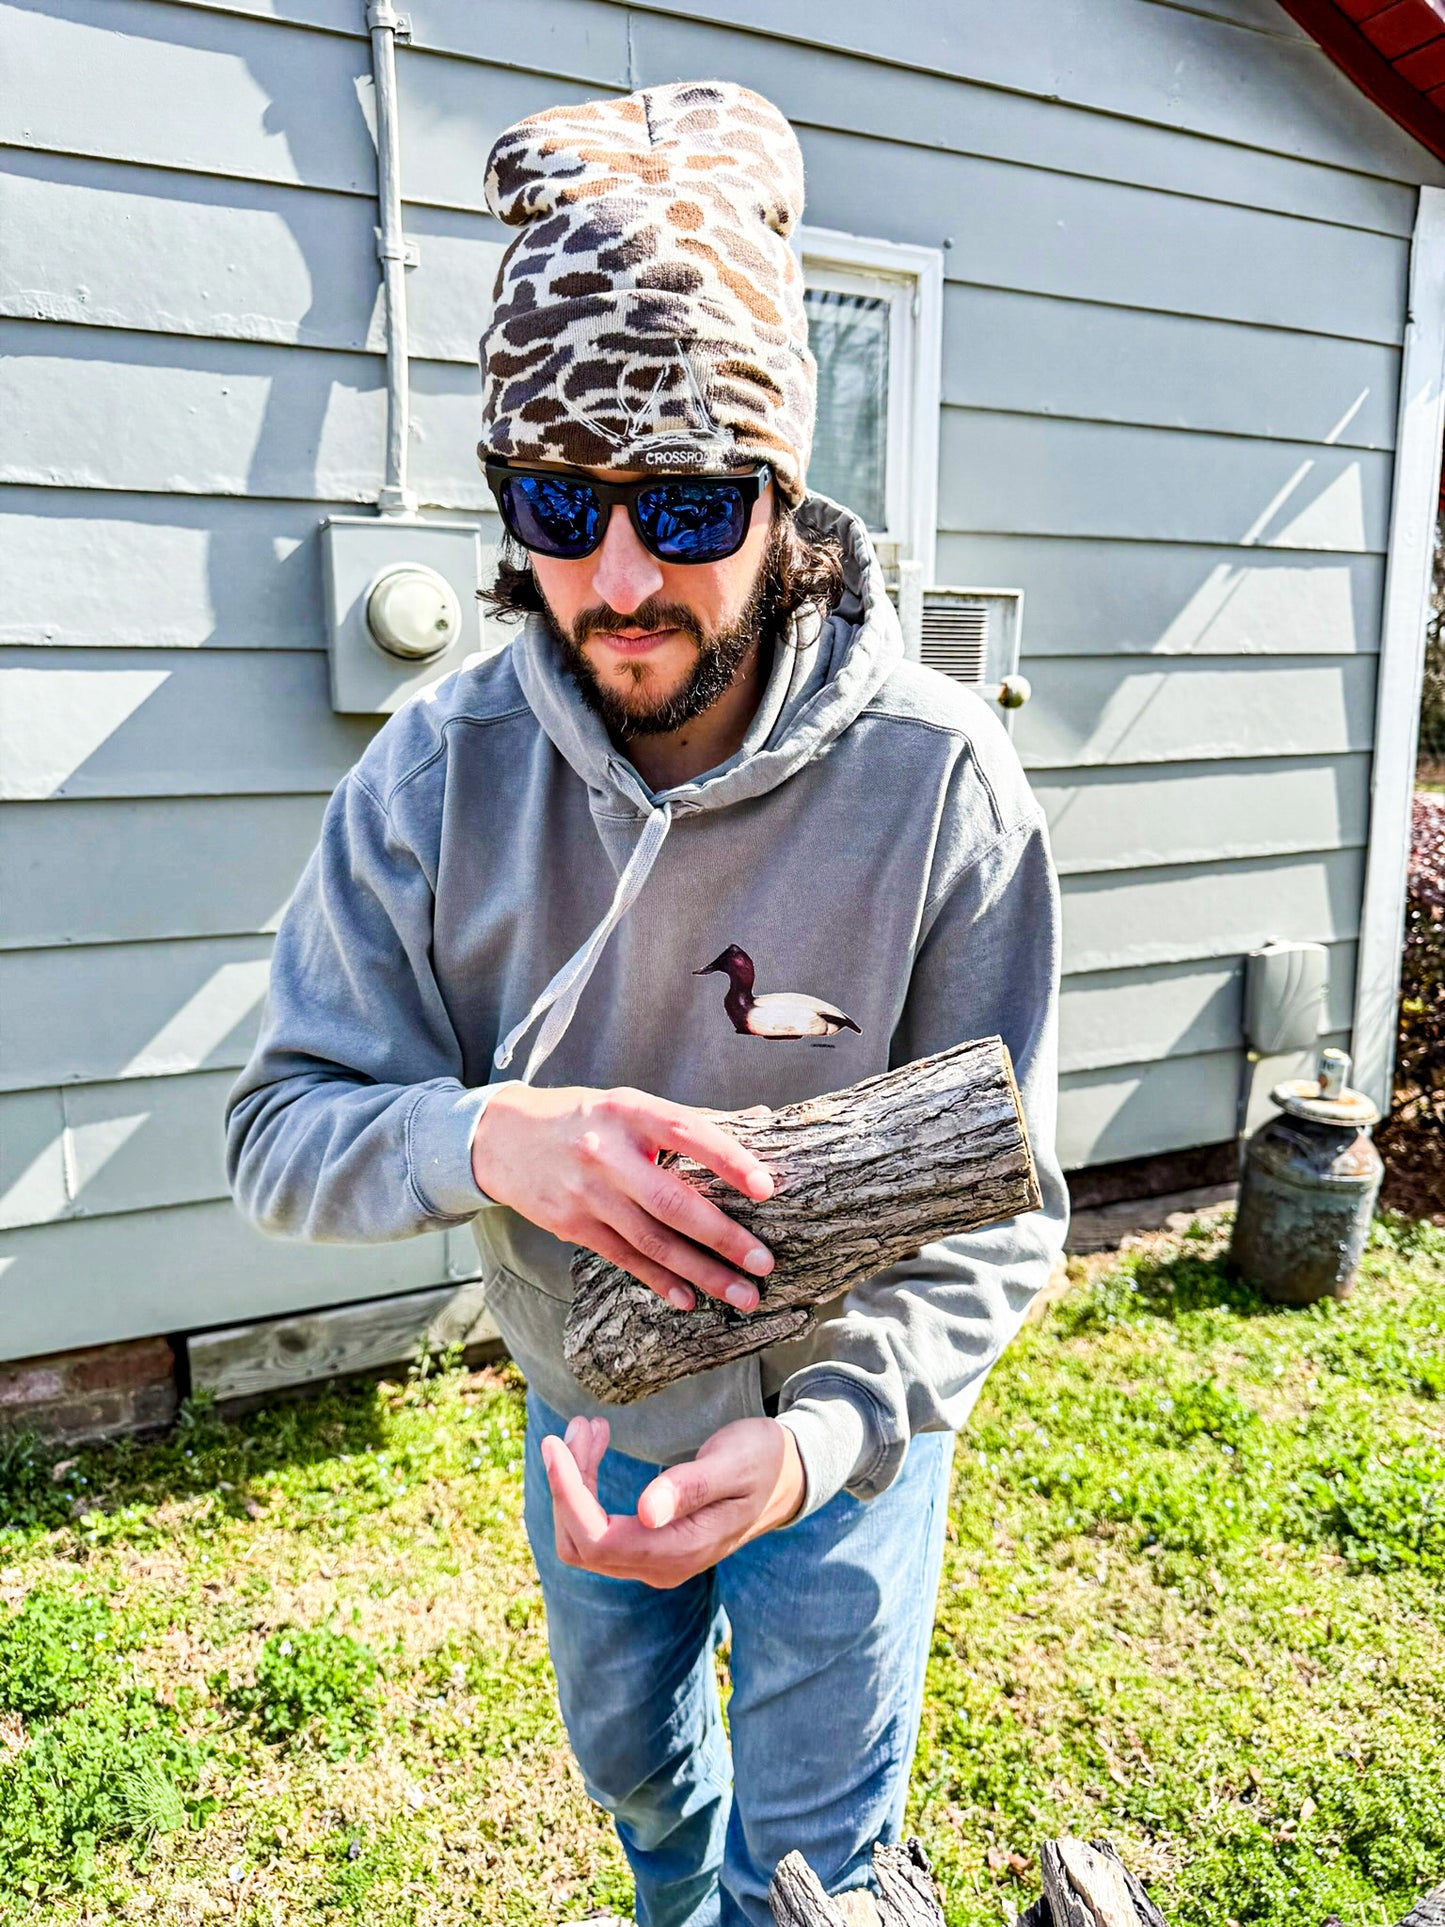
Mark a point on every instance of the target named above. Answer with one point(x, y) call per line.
point(705, 737)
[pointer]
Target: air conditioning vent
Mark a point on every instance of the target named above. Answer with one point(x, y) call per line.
point(955, 636)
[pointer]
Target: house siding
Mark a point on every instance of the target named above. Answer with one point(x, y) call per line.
point(1176, 244)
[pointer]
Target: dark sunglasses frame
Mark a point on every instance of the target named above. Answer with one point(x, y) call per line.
point(749, 483)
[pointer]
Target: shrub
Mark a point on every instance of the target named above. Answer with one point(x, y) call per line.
point(1413, 1139)
point(53, 1652)
point(109, 1770)
point(1383, 1504)
point(319, 1683)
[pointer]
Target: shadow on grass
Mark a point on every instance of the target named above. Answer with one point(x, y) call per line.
point(42, 1484)
point(1169, 1287)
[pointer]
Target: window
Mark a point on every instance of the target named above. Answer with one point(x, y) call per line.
point(875, 314)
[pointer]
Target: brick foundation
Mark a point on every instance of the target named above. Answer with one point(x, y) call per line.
point(98, 1393)
point(1168, 1171)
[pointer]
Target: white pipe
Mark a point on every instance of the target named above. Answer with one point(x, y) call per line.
point(395, 497)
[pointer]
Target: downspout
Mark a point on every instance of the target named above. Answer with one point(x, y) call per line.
point(396, 254)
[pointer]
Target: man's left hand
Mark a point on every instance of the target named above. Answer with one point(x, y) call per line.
point(746, 1480)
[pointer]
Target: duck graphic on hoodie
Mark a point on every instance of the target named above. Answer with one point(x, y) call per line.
point(779, 1014)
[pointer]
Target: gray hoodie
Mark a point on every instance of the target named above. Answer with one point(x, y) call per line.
point(493, 860)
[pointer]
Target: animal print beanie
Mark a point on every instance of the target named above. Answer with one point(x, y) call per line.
point(649, 315)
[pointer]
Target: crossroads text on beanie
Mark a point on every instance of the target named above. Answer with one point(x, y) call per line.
point(650, 313)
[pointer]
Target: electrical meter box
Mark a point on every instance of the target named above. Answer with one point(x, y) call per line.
point(401, 606)
point(1285, 987)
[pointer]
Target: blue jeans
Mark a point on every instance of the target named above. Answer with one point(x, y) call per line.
point(830, 1621)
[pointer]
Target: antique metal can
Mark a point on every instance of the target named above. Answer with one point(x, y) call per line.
point(1308, 1189)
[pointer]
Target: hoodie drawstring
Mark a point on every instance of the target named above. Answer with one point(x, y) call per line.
point(562, 996)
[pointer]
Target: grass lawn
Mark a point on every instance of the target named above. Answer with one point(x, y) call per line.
point(294, 1668)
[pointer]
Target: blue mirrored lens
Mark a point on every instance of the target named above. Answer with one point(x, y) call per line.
point(554, 514)
point(693, 521)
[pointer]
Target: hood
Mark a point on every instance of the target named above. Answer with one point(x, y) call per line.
point(818, 685)
point(816, 689)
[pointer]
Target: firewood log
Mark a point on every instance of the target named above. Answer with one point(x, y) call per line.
point(906, 1895)
point(1088, 1886)
point(863, 1177)
point(1429, 1912)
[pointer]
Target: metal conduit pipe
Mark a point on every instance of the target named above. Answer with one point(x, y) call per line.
point(396, 254)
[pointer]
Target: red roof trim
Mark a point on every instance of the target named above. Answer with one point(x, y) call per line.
point(1347, 46)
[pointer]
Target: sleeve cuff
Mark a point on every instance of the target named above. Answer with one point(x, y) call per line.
point(439, 1137)
point(834, 1443)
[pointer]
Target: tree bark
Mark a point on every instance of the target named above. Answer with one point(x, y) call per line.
point(907, 1891)
point(1088, 1886)
point(863, 1177)
point(906, 1895)
point(1429, 1912)
point(797, 1898)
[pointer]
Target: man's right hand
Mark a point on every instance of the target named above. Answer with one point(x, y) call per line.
point(583, 1164)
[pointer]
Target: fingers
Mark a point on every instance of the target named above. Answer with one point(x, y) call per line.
point(611, 1245)
point(677, 1493)
point(648, 1231)
point(706, 1143)
point(586, 1439)
point(578, 1518)
point(657, 1226)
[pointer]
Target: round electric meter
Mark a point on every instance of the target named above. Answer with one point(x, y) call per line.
point(413, 612)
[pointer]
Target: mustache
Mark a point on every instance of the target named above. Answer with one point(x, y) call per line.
point(652, 614)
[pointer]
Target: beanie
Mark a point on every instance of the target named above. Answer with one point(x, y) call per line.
point(649, 315)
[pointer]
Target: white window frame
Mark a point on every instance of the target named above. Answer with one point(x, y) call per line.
point(911, 278)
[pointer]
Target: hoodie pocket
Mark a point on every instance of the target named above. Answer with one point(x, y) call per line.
point(530, 1318)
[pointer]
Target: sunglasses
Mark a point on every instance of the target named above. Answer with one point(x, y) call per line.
point(683, 518)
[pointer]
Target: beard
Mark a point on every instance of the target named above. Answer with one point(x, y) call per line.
point(721, 653)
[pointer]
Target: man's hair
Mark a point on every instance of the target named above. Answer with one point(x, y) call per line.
point(799, 570)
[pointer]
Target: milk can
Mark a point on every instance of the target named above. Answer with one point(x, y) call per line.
point(1311, 1177)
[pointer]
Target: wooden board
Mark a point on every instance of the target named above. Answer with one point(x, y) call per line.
point(272, 1355)
point(1027, 354)
point(112, 245)
point(91, 1013)
point(1093, 710)
point(108, 872)
point(241, 96)
point(88, 1150)
point(1112, 1017)
point(195, 574)
point(102, 409)
point(1129, 819)
point(33, 1184)
point(1026, 475)
point(1124, 919)
point(1097, 595)
point(94, 1280)
point(1131, 1111)
point(113, 722)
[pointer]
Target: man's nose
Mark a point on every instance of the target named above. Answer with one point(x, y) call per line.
point(624, 575)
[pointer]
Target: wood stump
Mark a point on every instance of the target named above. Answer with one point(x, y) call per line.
point(906, 1896)
point(1085, 1885)
point(863, 1177)
point(1429, 1912)
point(1088, 1886)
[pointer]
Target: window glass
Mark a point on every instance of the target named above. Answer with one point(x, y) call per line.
point(848, 334)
